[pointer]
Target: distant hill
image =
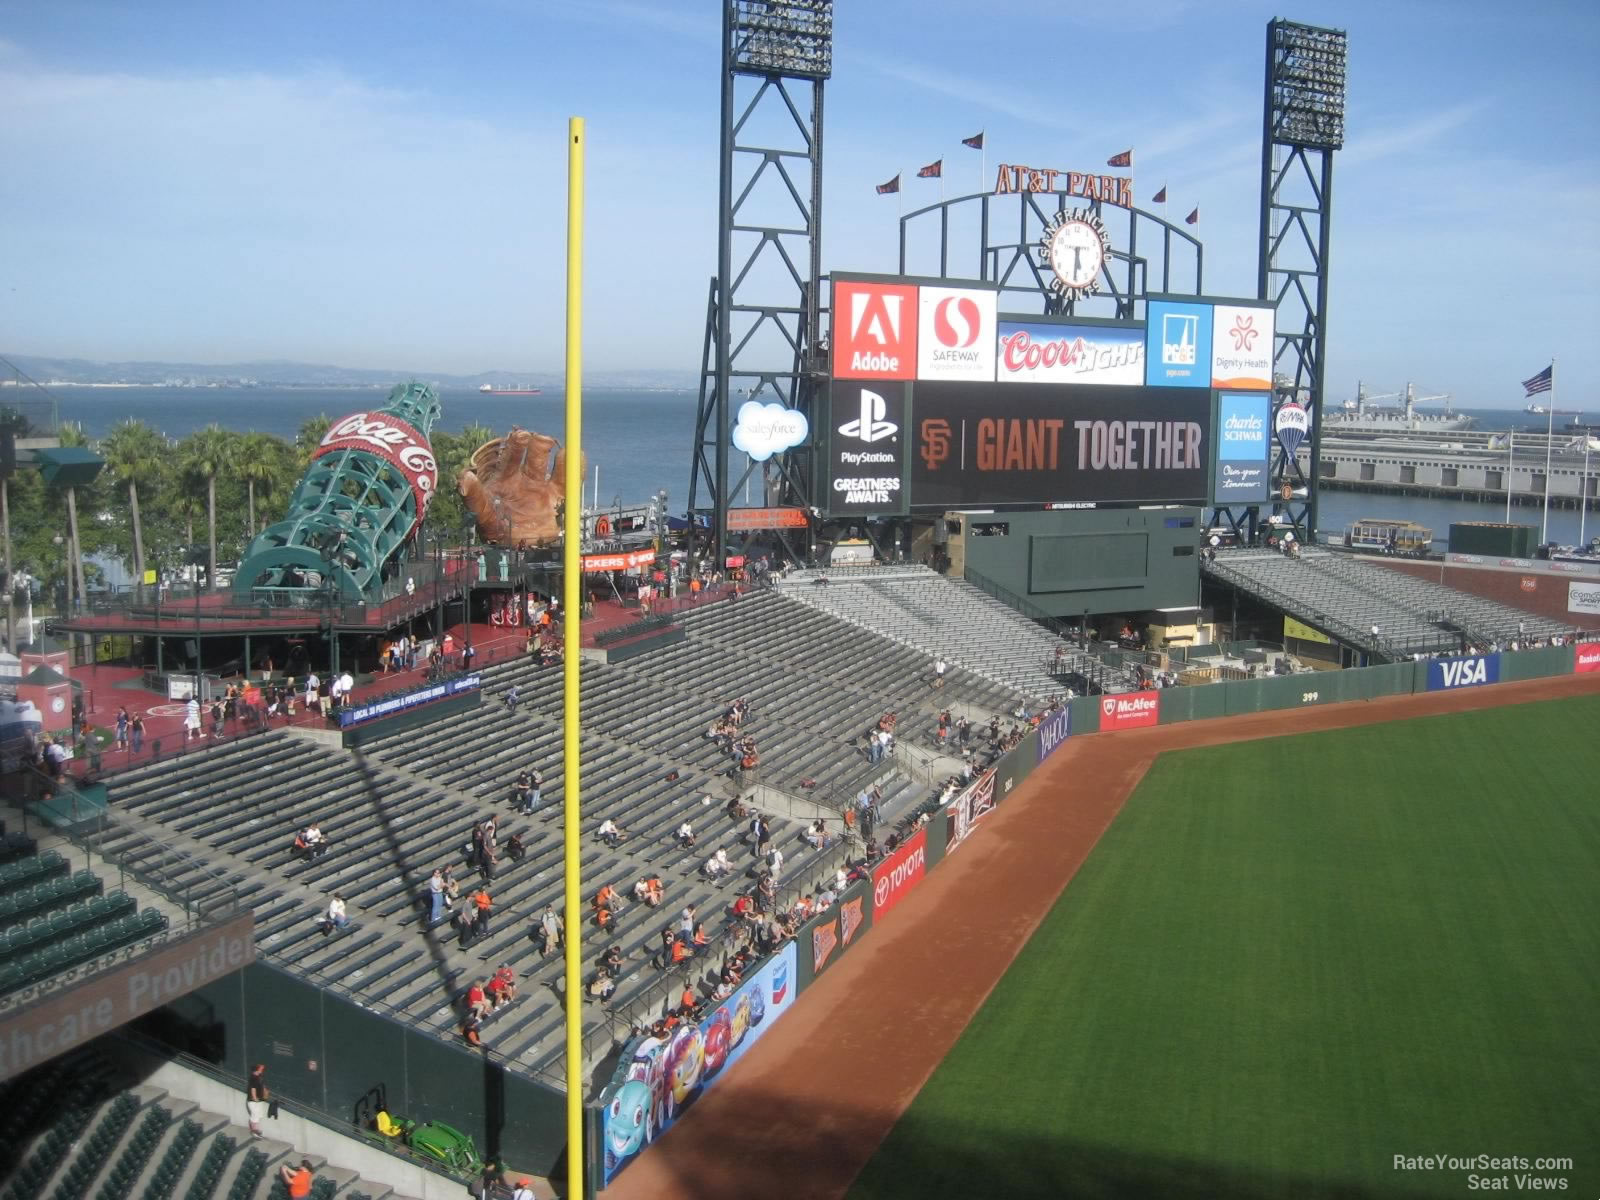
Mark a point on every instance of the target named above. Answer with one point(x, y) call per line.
point(295, 374)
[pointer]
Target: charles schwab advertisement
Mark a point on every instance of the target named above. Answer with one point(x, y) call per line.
point(1244, 421)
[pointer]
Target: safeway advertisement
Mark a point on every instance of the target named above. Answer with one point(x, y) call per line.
point(1130, 711)
point(1588, 657)
point(896, 875)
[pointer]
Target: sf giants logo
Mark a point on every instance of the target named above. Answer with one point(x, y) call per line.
point(935, 442)
point(874, 333)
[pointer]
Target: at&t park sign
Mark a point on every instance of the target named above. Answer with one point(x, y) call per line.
point(1108, 189)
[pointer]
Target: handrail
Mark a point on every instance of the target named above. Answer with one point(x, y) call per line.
point(1030, 610)
point(171, 865)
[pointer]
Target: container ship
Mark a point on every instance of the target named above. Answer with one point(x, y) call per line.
point(489, 388)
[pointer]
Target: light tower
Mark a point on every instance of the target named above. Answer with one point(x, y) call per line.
point(1303, 117)
point(762, 314)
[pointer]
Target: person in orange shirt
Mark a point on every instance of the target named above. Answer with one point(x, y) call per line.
point(681, 953)
point(607, 897)
point(604, 920)
point(482, 905)
point(700, 938)
point(297, 1179)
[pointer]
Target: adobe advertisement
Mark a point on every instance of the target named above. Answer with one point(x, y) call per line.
point(1177, 344)
point(895, 876)
point(978, 445)
point(1586, 657)
point(1244, 447)
point(665, 1075)
point(1242, 347)
point(956, 333)
point(1131, 710)
point(1054, 352)
point(874, 330)
point(866, 462)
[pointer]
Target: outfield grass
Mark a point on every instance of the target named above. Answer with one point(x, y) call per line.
point(1289, 961)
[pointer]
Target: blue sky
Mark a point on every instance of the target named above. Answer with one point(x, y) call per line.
point(383, 184)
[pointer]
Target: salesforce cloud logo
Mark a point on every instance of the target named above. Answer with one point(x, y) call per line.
point(765, 429)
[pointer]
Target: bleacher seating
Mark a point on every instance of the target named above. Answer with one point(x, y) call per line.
point(405, 804)
point(935, 615)
point(1346, 597)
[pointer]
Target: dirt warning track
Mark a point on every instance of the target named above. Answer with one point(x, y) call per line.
point(801, 1113)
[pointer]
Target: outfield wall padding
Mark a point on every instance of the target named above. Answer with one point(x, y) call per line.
point(1536, 664)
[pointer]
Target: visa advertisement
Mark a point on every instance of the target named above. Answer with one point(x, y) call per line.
point(1242, 347)
point(1448, 674)
point(1051, 352)
point(666, 1075)
point(1244, 447)
point(1178, 344)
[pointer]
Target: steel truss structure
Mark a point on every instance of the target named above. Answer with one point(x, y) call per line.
point(1302, 125)
point(762, 311)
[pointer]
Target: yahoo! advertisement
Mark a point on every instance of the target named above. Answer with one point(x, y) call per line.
point(666, 1075)
point(1053, 731)
point(1244, 447)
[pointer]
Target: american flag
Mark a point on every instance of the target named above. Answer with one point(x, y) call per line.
point(1540, 382)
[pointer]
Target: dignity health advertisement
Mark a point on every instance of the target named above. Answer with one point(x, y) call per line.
point(1244, 444)
point(668, 1074)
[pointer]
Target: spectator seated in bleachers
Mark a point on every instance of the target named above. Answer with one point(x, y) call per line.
point(336, 918)
point(685, 836)
point(601, 986)
point(477, 1001)
point(735, 809)
point(818, 835)
point(649, 890)
point(717, 865)
point(611, 960)
point(611, 833)
point(310, 843)
point(502, 986)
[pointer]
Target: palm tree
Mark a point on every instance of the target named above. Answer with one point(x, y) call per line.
point(257, 461)
point(312, 431)
point(205, 454)
point(135, 455)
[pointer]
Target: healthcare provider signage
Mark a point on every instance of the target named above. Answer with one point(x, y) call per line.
point(1131, 710)
point(389, 705)
point(1178, 344)
point(1447, 674)
point(866, 449)
point(895, 876)
point(1586, 657)
point(1244, 447)
point(63, 1018)
point(1583, 596)
point(955, 333)
point(1053, 731)
point(1070, 352)
point(1242, 347)
point(665, 1075)
point(874, 330)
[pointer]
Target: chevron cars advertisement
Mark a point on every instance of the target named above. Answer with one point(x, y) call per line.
point(665, 1075)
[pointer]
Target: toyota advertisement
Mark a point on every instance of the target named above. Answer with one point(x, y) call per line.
point(955, 333)
point(895, 876)
point(1072, 352)
point(1131, 710)
point(866, 449)
point(977, 445)
point(1244, 447)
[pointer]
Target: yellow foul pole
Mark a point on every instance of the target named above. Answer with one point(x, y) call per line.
point(572, 606)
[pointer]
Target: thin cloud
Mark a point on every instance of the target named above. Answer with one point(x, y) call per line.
point(1412, 135)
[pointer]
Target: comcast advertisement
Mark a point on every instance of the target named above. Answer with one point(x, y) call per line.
point(1243, 447)
point(866, 449)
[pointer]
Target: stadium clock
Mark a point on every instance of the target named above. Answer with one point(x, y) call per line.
point(1074, 245)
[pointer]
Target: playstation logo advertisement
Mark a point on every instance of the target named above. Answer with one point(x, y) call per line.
point(866, 449)
point(956, 333)
point(1178, 344)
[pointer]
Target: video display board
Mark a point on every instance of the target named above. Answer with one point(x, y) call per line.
point(1243, 445)
point(866, 460)
point(978, 445)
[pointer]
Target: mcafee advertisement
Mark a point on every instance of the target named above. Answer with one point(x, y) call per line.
point(1132, 710)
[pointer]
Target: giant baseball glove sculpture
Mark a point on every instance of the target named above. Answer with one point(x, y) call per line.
point(513, 488)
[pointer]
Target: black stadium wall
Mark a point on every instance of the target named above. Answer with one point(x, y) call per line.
point(1098, 561)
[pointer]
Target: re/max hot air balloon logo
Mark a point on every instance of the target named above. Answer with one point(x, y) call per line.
point(1292, 424)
